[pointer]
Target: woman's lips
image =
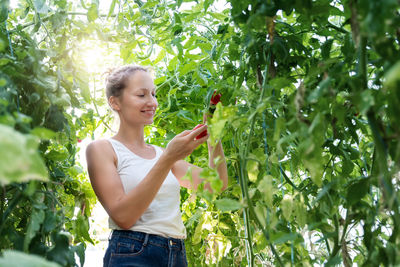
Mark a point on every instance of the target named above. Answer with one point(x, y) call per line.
point(148, 112)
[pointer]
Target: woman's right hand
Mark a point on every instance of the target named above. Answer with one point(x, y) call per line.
point(183, 144)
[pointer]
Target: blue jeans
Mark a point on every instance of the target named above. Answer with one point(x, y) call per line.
point(137, 249)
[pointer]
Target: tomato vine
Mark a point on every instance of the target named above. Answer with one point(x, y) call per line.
point(308, 121)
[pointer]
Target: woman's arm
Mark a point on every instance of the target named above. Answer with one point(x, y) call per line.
point(181, 167)
point(213, 154)
point(126, 208)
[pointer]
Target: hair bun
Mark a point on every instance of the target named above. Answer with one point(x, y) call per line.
point(108, 73)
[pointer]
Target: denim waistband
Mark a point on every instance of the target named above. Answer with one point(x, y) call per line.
point(150, 238)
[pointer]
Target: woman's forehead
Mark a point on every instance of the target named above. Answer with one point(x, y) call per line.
point(141, 80)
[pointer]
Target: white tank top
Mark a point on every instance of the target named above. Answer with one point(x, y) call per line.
point(163, 216)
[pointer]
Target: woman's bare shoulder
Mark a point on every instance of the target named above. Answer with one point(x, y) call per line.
point(101, 148)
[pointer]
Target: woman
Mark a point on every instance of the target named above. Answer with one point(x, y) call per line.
point(138, 184)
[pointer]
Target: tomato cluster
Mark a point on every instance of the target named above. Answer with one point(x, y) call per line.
point(202, 134)
point(215, 99)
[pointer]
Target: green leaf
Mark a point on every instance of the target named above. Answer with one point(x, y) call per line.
point(3, 82)
point(335, 261)
point(187, 68)
point(55, 119)
point(287, 206)
point(347, 167)
point(12, 258)
point(261, 212)
point(357, 190)
point(316, 170)
point(4, 11)
point(40, 6)
point(4, 61)
point(228, 204)
point(50, 222)
point(300, 211)
point(93, 12)
point(279, 126)
point(112, 6)
point(218, 122)
point(2, 46)
point(200, 78)
point(216, 184)
point(322, 192)
point(326, 49)
point(160, 80)
point(177, 18)
point(253, 170)
point(36, 220)
point(282, 237)
point(392, 76)
point(83, 83)
point(197, 232)
point(320, 90)
point(22, 162)
point(267, 189)
point(60, 251)
point(58, 155)
point(365, 100)
point(160, 56)
point(185, 115)
point(207, 4)
point(80, 251)
point(43, 133)
point(81, 225)
point(217, 16)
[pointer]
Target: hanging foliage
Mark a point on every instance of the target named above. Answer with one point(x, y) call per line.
point(308, 119)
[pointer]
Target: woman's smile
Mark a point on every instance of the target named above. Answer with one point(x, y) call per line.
point(149, 112)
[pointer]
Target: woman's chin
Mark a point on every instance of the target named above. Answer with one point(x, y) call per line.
point(149, 122)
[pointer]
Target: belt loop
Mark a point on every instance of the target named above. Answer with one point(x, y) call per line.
point(110, 234)
point(146, 239)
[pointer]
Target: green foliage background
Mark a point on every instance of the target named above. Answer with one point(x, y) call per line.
point(310, 101)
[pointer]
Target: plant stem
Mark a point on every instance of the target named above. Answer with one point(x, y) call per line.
point(3, 202)
point(384, 177)
point(362, 63)
point(16, 198)
point(243, 178)
point(249, 244)
point(336, 245)
point(46, 18)
point(95, 106)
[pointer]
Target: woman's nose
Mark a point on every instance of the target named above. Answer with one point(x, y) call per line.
point(154, 101)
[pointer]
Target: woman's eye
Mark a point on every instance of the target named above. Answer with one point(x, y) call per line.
point(141, 95)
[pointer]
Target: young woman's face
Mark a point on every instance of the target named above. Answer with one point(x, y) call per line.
point(138, 101)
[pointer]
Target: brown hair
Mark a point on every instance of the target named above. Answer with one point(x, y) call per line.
point(117, 78)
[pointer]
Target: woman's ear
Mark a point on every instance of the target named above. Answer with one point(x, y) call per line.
point(114, 103)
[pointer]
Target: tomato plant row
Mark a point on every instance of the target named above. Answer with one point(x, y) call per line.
point(308, 118)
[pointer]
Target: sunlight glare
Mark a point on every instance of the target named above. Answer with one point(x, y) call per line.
point(93, 58)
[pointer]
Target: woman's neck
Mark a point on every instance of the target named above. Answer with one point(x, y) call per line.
point(131, 135)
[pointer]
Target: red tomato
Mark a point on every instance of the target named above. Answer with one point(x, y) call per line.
point(215, 98)
point(202, 134)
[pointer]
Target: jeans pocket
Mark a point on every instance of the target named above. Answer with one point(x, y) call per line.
point(128, 248)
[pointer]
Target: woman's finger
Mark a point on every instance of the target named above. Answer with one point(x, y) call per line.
point(184, 133)
point(196, 132)
point(201, 140)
